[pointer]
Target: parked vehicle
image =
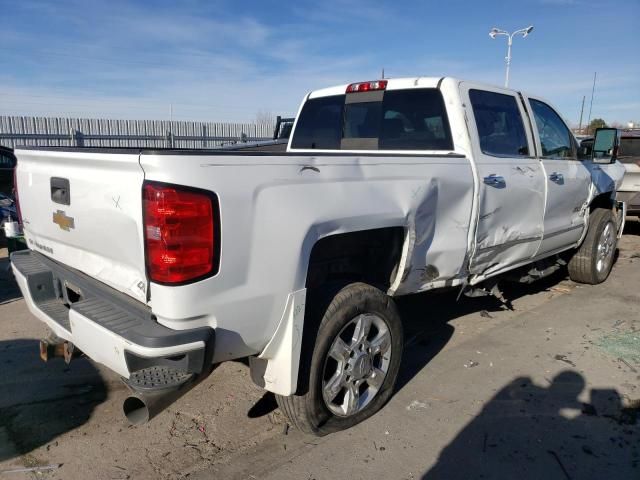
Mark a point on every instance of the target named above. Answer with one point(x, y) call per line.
point(7, 164)
point(629, 155)
point(161, 263)
point(283, 127)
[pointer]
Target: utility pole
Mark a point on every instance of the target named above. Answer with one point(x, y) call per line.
point(382, 73)
point(593, 89)
point(581, 112)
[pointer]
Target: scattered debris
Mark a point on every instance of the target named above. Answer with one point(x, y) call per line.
point(485, 314)
point(471, 364)
point(285, 429)
point(627, 364)
point(564, 470)
point(39, 469)
point(563, 358)
point(618, 323)
point(416, 404)
point(560, 289)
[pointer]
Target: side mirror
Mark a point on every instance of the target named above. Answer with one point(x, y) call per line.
point(605, 145)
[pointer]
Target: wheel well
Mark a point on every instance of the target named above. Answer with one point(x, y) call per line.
point(370, 256)
point(604, 200)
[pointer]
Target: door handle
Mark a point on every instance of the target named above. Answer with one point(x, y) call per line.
point(556, 177)
point(496, 181)
point(60, 192)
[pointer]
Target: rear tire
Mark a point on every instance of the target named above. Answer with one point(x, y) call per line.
point(592, 262)
point(351, 373)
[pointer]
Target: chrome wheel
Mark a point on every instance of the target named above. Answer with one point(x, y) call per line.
point(356, 365)
point(606, 247)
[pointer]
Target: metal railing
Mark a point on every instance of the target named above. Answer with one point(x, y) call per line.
point(84, 132)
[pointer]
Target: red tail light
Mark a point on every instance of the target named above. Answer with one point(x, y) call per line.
point(181, 233)
point(367, 86)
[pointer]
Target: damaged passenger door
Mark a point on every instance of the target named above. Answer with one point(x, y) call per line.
point(511, 180)
point(568, 179)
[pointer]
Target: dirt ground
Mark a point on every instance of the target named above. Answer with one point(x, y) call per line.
point(549, 390)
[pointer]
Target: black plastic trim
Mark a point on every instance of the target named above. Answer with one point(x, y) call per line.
point(138, 324)
point(244, 153)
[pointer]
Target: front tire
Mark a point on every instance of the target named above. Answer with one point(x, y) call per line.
point(352, 371)
point(592, 262)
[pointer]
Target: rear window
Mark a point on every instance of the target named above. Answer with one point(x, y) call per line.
point(629, 149)
point(403, 120)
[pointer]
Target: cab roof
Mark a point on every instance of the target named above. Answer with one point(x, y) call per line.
point(402, 83)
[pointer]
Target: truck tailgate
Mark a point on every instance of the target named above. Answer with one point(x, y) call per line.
point(84, 209)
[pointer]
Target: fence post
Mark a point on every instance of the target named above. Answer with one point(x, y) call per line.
point(77, 138)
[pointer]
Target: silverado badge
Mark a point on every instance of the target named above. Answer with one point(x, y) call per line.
point(64, 222)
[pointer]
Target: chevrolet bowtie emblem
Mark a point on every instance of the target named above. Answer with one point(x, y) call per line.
point(64, 222)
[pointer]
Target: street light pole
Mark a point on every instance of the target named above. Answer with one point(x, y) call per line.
point(506, 78)
point(496, 31)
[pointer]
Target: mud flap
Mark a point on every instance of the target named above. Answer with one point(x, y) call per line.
point(621, 217)
point(276, 368)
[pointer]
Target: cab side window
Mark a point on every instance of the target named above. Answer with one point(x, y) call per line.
point(555, 137)
point(499, 123)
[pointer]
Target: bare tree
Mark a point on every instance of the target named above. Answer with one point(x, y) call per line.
point(265, 117)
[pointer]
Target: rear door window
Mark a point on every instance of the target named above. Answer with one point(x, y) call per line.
point(499, 123)
point(413, 119)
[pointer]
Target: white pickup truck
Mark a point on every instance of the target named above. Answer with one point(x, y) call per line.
point(160, 264)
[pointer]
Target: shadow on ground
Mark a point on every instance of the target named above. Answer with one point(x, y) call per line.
point(40, 402)
point(426, 318)
point(9, 290)
point(632, 226)
point(528, 431)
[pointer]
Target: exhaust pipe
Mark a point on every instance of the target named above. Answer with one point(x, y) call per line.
point(154, 389)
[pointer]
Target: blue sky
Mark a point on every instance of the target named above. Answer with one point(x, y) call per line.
point(228, 60)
